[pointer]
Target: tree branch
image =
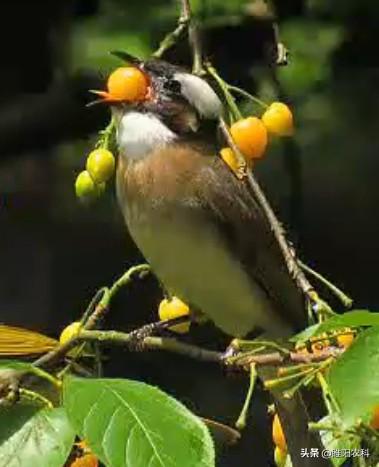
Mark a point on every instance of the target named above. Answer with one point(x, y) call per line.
point(95, 312)
point(194, 39)
point(185, 22)
point(288, 252)
point(172, 37)
point(136, 340)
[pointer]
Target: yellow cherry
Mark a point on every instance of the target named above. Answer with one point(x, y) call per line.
point(229, 158)
point(278, 434)
point(85, 187)
point(174, 308)
point(280, 457)
point(278, 119)
point(100, 165)
point(250, 137)
point(72, 330)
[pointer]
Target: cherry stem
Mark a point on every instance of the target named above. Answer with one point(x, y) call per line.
point(106, 135)
point(225, 89)
point(35, 397)
point(344, 299)
point(241, 421)
point(246, 94)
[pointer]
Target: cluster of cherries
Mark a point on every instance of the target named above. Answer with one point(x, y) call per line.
point(129, 84)
point(124, 84)
point(250, 134)
point(342, 338)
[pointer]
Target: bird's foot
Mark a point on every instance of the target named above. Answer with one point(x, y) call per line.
point(231, 351)
point(138, 336)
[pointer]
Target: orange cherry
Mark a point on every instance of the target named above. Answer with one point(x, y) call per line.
point(229, 158)
point(127, 83)
point(278, 119)
point(319, 343)
point(250, 137)
point(88, 460)
point(345, 339)
point(280, 457)
point(374, 423)
point(278, 434)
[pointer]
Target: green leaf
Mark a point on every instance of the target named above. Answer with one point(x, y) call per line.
point(31, 436)
point(351, 319)
point(9, 367)
point(305, 334)
point(129, 423)
point(354, 377)
point(341, 443)
point(15, 365)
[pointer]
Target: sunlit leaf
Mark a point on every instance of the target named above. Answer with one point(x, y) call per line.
point(30, 436)
point(17, 365)
point(351, 319)
point(354, 377)
point(342, 443)
point(131, 423)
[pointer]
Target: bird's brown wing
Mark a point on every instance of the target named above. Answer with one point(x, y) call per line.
point(244, 227)
point(198, 186)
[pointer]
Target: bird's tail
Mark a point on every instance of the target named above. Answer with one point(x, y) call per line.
point(18, 342)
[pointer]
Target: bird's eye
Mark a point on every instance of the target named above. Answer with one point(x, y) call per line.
point(173, 86)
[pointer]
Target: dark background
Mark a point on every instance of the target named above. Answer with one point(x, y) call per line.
point(55, 253)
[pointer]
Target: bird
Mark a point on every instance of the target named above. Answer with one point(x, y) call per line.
point(200, 228)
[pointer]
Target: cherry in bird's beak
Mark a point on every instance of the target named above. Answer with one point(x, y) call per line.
point(126, 84)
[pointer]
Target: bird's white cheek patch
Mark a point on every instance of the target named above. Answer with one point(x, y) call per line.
point(138, 134)
point(200, 95)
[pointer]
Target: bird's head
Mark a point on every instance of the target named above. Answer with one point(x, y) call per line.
point(176, 105)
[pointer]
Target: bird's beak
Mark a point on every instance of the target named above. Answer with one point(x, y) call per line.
point(103, 98)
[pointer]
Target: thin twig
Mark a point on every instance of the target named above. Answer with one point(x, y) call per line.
point(287, 251)
point(241, 421)
point(344, 299)
point(278, 358)
point(242, 166)
point(194, 39)
point(35, 397)
point(172, 38)
point(97, 314)
point(236, 114)
point(247, 95)
point(103, 305)
point(185, 22)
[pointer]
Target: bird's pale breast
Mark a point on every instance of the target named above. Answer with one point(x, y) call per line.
point(161, 200)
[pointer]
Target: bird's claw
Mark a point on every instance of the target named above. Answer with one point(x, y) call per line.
point(138, 336)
